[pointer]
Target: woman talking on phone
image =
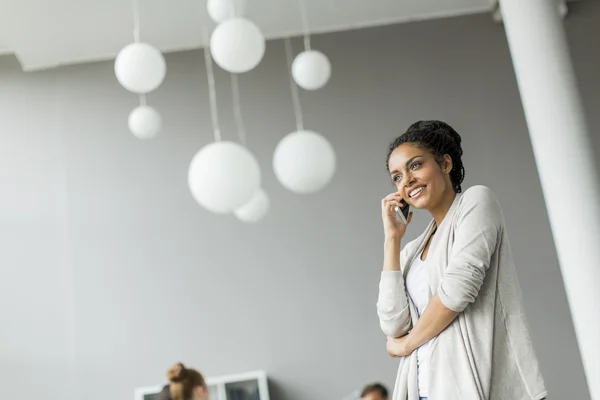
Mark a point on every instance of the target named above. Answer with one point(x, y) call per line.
point(449, 301)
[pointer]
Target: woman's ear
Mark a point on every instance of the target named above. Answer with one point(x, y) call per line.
point(447, 165)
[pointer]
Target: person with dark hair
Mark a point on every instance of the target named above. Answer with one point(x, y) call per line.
point(374, 391)
point(185, 384)
point(449, 301)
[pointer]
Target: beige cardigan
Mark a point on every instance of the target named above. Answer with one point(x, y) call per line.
point(486, 352)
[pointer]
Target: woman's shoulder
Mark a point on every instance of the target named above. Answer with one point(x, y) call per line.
point(478, 191)
point(479, 194)
point(479, 198)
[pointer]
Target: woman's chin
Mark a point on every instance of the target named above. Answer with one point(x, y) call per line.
point(419, 203)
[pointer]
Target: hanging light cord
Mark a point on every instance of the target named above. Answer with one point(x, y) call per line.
point(136, 36)
point(136, 20)
point(233, 9)
point(305, 28)
point(293, 87)
point(237, 110)
point(211, 88)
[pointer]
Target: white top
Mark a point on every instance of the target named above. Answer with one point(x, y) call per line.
point(417, 284)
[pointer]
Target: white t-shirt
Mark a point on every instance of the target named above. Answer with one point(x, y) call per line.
point(417, 284)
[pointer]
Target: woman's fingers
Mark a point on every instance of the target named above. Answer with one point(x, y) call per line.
point(391, 204)
point(393, 196)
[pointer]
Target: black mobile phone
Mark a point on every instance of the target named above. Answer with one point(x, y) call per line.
point(402, 212)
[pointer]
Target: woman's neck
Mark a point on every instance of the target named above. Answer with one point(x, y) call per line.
point(439, 212)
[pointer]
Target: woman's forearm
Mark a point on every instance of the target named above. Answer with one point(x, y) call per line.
point(432, 322)
point(391, 253)
point(392, 303)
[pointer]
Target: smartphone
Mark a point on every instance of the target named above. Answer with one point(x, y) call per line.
point(402, 213)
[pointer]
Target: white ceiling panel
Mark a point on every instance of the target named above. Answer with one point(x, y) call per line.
point(48, 33)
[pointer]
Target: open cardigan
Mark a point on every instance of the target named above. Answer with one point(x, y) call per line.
point(486, 352)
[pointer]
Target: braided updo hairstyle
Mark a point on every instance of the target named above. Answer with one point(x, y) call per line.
point(183, 382)
point(439, 138)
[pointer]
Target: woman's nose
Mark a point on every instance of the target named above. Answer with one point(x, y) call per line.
point(408, 180)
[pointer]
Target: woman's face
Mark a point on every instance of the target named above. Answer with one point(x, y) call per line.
point(421, 181)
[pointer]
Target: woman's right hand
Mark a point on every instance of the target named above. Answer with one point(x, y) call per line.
point(393, 228)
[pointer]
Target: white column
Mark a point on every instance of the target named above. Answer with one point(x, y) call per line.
point(565, 161)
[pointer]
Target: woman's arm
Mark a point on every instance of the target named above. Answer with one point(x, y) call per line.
point(432, 322)
point(392, 305)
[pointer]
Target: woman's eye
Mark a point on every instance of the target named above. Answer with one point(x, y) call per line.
point(415, 165)
point(397, 178)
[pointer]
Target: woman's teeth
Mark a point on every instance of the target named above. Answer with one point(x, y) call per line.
point(415, 192)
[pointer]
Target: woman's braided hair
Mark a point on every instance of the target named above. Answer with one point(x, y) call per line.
point(439, 138)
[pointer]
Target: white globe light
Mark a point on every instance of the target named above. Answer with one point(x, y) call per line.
point(223, 176)
point(222, 10)
point(237, 45)
point(140, 68)
point(144, 122)
point(311, 70)
point(255, 209)
point(304, 162)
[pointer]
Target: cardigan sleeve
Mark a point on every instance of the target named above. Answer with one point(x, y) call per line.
point(392, 304)
point(477, 230)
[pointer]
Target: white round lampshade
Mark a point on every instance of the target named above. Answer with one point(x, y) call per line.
point(311, 70)
point(222, 10)
point(255, 209)
point(223, 176)
point(237, 45)
point(304, 162)
point(140, 68)
point(144, 122)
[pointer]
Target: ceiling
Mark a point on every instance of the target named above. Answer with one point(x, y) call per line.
point(49, 33)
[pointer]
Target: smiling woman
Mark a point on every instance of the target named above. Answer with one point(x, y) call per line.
point(425, 165)
point(450, 301)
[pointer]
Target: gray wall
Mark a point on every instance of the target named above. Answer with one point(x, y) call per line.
point(110, 272)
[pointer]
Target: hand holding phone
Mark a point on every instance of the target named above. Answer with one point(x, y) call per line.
point(402, 212)
point(396, 215)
